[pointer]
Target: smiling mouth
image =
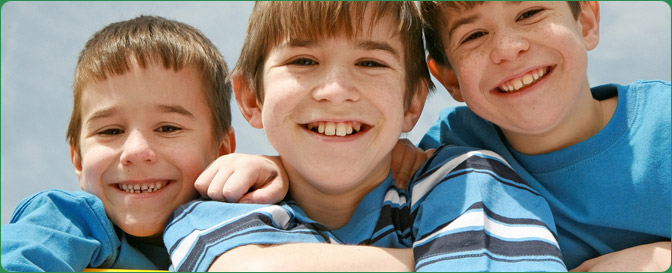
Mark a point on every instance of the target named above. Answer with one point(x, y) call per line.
point(528, 79)
point(142, 188)
point(341, 129)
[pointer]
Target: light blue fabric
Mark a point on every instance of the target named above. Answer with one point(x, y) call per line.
point(607, 193)
point(464, 210)
point(55, 230)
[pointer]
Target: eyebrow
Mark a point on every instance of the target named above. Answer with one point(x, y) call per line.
point(372, 45)
point(175, 109)
point(101, 114)
point(366, 45)
point(161, 107)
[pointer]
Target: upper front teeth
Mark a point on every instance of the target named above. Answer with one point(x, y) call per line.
point(141, 188)
point(516, 84)
point(335, 128)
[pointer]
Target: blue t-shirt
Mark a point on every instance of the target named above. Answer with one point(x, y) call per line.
point(465, 210)
point(55, 230)
point(607, 193)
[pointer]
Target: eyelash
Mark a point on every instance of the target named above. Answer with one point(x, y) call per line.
point(168, 129)
point(370, 63)
point(302, 61)
point(160, 129)
point(529, 13)
point(111, 132)
point(474, 36)
point(523, 16)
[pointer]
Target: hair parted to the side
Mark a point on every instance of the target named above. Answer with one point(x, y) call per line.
point(433, 15)
point(273, 22)
point(152, 40)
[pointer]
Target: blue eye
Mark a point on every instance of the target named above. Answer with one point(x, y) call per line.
point(370, 64)
point(303, 61)
point(168, 129)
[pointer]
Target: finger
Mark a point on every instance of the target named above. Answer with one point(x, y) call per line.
point(270, 193)
point(240, 182)
point(203, 181)
point(218, 182)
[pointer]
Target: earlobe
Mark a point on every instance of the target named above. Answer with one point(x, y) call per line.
point(589, 20)
point(446, 77)
point(412, 114)
point(247, 101)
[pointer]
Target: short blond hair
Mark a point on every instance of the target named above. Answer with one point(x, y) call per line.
point(272, 22)
point(148, 40)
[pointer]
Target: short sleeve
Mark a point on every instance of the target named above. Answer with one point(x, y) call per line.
point(471, 211)
point(202, 230)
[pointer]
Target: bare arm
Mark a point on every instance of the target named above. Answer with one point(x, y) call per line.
point(314, 257)
point(649, 257)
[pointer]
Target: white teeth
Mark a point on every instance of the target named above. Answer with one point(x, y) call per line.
point(141, 188)
point(340, 129)
point(330, 129)
point(335, 128)
point(529, 78)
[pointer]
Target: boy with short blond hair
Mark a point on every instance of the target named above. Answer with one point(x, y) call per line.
point(334, 84)
point(151, 111)
point(600, 156)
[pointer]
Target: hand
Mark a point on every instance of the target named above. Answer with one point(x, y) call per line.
point(245, 179)
point(649, 257)
point(406, 159)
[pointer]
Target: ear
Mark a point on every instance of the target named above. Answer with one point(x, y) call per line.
point(589, 21)
point(446, 76)
point(77, 164)
point(228, 143)
point(248, 103)
point(412, 114)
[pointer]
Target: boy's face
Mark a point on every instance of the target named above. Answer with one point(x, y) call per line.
point(146, 136)
point(520, 65)
point(333, 108)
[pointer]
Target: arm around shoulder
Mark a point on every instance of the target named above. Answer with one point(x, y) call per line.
point(58, 231)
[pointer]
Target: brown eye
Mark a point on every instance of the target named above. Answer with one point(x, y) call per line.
point(528, 14)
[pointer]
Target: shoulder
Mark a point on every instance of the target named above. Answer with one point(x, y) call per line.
point(75, 203)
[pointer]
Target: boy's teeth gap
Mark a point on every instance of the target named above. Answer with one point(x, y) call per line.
point(142, 188)
point(335, 128)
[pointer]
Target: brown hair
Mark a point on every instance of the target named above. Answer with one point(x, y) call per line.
point(433, 17)
point(272, 22)
point(152, 39)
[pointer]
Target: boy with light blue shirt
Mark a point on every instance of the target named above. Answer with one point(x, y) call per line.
point(150, 112)
point(600, 156)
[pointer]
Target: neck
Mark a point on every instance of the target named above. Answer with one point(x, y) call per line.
point(328, 207)
point(582, 122)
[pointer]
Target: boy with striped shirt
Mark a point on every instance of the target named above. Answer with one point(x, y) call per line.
point(334, 84)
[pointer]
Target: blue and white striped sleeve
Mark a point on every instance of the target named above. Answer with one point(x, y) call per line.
point(202, 230)
point(472, 212)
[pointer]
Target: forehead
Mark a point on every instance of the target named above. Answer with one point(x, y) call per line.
point(140, 87)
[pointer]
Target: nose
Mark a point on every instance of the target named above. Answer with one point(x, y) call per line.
point(338, 87)
point(137, 150)
point(508, 46)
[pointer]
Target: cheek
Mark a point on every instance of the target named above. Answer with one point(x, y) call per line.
point(94, 164)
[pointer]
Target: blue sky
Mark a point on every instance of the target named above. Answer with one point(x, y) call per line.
point(40, 42)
